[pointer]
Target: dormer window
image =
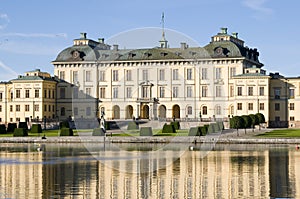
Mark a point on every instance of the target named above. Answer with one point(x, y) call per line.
point(163, 54)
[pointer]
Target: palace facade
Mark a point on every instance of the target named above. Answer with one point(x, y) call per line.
point(215, 82)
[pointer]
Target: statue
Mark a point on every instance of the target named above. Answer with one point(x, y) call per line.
point(102, 122)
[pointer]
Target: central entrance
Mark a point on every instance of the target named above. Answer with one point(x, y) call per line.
point(145, 112)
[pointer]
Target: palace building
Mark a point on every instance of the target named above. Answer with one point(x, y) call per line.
point(222, 79)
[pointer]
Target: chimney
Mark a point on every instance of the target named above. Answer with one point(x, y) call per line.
point(101, 40)
point(183, 45)
point(83, 35)
point(115, 47)
point(235, 35)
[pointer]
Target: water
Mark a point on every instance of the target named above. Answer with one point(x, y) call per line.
point(70, 171)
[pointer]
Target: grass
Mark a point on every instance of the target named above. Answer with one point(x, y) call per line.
point(156, 132)
point(281, 133)
point(47, 133)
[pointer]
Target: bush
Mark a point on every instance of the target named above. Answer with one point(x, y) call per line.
point(176, 125)
point(64, 124)
point(98, 132)
point(195, 131)
point(221, 126)
point(11, 127)
point(36, 128)
point(132, 125)
point(146, 131)
point(66, 132)
point(2, 129)
point(23, 125)
point(203, 130)
point(168, 128)
point(20, 132)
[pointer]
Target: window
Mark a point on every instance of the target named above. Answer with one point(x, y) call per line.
point(36, 107)
point(1, 96)
point(232, 71)
point(250, 106)
point(204, 110)
point(175, 74)
point(102, 92)
point(62, 74)
point(17, 119)
point(11, 109)
point(75, 92)
point(53, 108)
point(204, 73)
point(239, 91)
point(175, 91)
point(292, 106)
point(75, 77)
point(145, 92)
point(277, 107)
point(102, 76)
point(128, 92)
point(218, 91)
point(26, 107)
point(218, 73)
point(204, 91)
point(45, 107)
point(88, 92)
point(189, 74)
point(162, 74)
point(17, 108)
point(161, 92)
point(128, 75)
point(49, 108)
point(277, 119)
point(292, 118)
point(218, 110)
point(88, 111)
point(88, 77)
point(261, 91)
point(292, 93)
point(189, 110)
point(231, 91)
point(45, 93)
point(145, 75)
point(75, 111)
point(277, 93)
point(62, 111)
point(261, 106)
point(62, 93)
point(36, 93)
point(189, 91)
point(53, 94)
point(18, 93)
point(239, 106)
point(250, 91)
point(0, 108)
point(115, 92)
point(49, 93)
point(115, 75)
point(26, 93)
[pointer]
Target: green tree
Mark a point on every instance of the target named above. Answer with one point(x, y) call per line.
point(261, 118)
point(247, 121)
point(255, 121)
point(237, 122)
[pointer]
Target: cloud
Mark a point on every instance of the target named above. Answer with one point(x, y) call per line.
point(258, 5)
point(31, 35)
point(6, 72)
point(4, 20)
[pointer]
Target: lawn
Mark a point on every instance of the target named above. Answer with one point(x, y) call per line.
point(281, 133)
point(47, 133)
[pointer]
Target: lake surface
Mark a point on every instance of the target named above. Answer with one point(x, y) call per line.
point(148, 171)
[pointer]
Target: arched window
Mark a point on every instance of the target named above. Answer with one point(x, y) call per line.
point(189, 110)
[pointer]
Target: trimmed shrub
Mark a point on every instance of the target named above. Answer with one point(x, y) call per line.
point(64, 124)
point(203, 129)
point(65, 132)
point(23, 125)
point(146, 131)
point(132, 125)
point(176, 125)
point(221, 126)
point(168, 128)
point(195, 131)
point(11, 127)
point(98, 132)
point(36, 128)
point(20, 132)
point(2, 129)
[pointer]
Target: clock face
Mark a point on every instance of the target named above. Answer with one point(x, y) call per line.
point(219, 51)
point(76, 54)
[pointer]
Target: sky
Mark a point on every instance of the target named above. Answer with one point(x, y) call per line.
point(33, 32)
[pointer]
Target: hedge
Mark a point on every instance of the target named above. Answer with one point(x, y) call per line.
point(20, 132)
point(132, 125)
point(146, 131)
point(204, 129)
point(176, 125)
point(11, 127)
point(98, 132)
point(168, 128)
point(64, 124)
point(66, 132)
point(195, 131)
point(2, 129)
point(36, 128)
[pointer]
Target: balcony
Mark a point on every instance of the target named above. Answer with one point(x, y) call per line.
point(146, 100)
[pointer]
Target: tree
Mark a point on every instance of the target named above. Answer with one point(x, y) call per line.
point(261, 118)
point(237, 122)
point(255, 121)
point(247, 121)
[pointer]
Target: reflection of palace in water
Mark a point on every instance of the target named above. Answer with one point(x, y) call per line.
point(221, 174)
